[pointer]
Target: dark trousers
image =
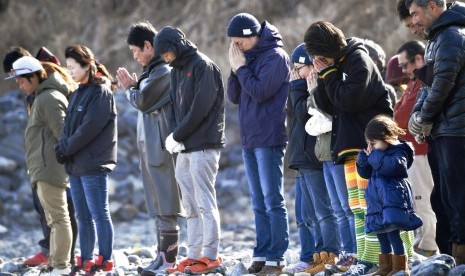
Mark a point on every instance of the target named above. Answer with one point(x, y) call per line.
point(45, 242)
point(450, 158)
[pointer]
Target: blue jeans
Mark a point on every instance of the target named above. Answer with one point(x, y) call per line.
point(90, 199)
point(339, 196)
point(306, 236)
point(314, 190)
point(264, 170)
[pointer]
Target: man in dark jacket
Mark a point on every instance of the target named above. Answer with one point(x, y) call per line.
point(150, 95)
point(351, 89)
point(259, 83)
point(440, 110)
point(197, 94)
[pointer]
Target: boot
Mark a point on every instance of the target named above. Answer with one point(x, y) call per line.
point(458, 252)
point(169, 244)
point(384, 265)
point(399, 263)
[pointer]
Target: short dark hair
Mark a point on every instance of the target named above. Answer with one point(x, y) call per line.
point(13, 54)
point(424, 3)
point(412, 48)
point(323, 39)
point(402, 10)
point(140, 32)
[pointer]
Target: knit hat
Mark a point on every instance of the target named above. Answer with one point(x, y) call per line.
point(44, 54)
point(243, 25)
point(394, 74)
point(25, 65)
point(300, 55)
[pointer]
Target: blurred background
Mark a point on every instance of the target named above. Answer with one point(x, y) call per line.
point(102, 25)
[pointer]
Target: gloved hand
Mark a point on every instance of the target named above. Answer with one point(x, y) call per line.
point(236, 57)
point(173, 146)
point(417, 127)
point(61, 157)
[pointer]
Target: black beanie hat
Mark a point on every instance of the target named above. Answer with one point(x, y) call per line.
point(243, 25)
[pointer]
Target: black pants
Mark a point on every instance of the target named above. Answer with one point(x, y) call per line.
point(45, 242)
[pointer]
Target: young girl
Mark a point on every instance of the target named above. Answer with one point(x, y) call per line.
point(389, 197)
point(88, 149)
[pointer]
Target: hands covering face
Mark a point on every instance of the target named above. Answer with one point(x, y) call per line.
point(236, 57)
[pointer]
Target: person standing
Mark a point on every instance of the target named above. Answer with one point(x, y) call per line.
point(87, 147)
point(351, 90)
point(389, 196)
point(45, 122)
point(439, 110)
point(259, 84)
point(197, 95)
point(150, 95)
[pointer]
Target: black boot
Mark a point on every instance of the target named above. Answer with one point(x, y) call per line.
point(169, 244)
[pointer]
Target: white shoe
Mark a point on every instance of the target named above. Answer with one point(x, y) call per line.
point(298, 267)
point(56, 272)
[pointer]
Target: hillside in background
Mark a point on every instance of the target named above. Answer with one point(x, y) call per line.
point(103, 24)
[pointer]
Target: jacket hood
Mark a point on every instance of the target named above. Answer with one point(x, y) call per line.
point(407, 146)
point(55, 82)
point(173, 39)
point(269, 38)
point(454, 15)
point(353, 44)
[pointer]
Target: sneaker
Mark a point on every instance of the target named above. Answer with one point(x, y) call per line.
point(204, 266)
point(298, 267)
point(56, 272)
point(181, 266)
point(270, 270)
point(157, 265)
point(37, 259)
point(361, 268)
point(344, 263)
point(321, 261)
point(100, 265)
point(80, 266)
point(256, 267)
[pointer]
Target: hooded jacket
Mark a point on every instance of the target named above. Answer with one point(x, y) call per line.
point(89, 138)
point(353, 92)
point(197, 93)
point(260, 88)
point(43, 129)
point(389, 195)
point(444, 102)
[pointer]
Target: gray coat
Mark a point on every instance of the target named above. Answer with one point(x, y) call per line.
point(151, 98)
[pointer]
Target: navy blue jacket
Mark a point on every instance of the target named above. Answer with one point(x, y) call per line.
point(301, 148)
point(89, 138)
point(389, 195)
point(260, 88)
point(353, 92)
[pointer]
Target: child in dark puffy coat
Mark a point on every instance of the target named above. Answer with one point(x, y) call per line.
point(389, 196)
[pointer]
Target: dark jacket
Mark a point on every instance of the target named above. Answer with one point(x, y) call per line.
point(260, 88)
point(89, 138)
point(444, 103)
point(389, 195)
point(353, 92)
point(301, 148)
point(197, 93)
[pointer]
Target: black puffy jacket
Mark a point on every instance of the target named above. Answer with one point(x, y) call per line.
point(444, 102)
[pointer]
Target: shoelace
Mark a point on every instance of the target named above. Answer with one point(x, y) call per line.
point(356, 268)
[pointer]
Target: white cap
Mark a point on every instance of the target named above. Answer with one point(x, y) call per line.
point(25, 65)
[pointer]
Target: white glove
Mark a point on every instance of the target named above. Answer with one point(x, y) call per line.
point(172, 146)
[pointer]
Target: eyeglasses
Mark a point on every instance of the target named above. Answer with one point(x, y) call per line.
point(404, 65)
point(297, 69)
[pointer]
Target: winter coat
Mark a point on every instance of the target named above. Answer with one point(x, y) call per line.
point(388, 195)
point(46, 117)
point(197, 94)
point(402, 111)
point(89, 138)
point(444, 103)
point(353, 92)
point(301, 148)
point(260, 88)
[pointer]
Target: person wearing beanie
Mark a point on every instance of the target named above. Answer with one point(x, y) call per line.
point(45, 122)
point(410, 58)
point(44, 54)
point(395, 77)
point(351, 89)
point(259, 83)
point(149, 94)
point(197, 135)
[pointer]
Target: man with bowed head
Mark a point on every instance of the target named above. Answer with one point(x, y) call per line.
point(259, 83)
